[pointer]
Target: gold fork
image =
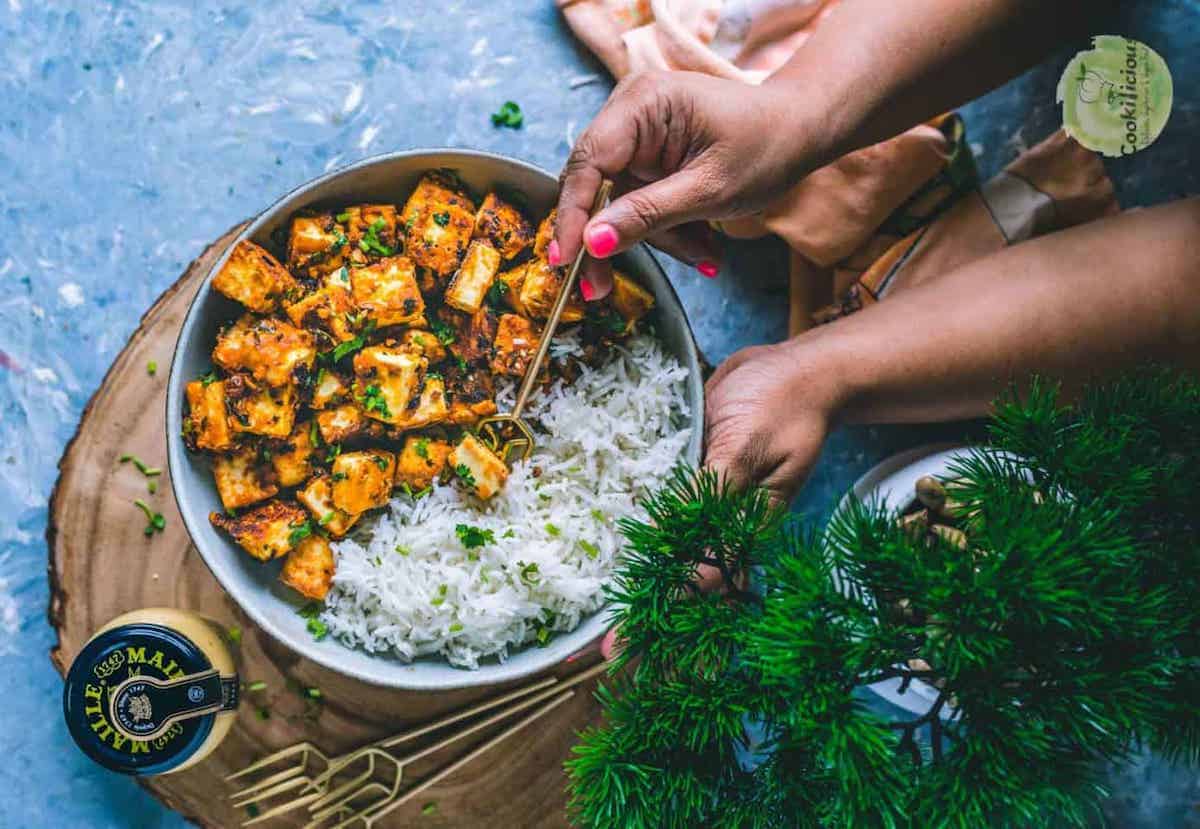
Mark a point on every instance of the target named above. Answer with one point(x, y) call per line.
point(298, 777)
point(311, 787)
point(494, 431)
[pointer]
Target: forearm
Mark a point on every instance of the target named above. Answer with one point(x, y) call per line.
point(1074, 306)
point(875, 68)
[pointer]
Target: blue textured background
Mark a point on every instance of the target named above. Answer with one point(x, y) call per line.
point(133, 133)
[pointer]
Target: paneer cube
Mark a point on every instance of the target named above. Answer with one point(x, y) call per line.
point(317, 496)
point(478, 467)
point(540, 290)
point(328, 308)
point(243, 478)
point(309, 568)
point(439, 219)
point(330, 389)
point(386, 292)
point(470, 284)
point(431, 407)
point(293, 460)
point(386, 381)
point(346, 422)
point(421, 462)
point(516, 342)
point(630, 299)
point(317, 245)
point(545, 234)
point(513, 280)
point(271, 350)
point(259, 409)
point(362, 480)
point(207, 424)
point(255, 278)
point(471, 394)
point(473, 334)
point(265, 532)
point(503, 225)
point(424, 343)
point(371, 228)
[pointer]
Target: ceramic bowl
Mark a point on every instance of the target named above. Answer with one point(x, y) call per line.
point(892, 485)
point(253, 585)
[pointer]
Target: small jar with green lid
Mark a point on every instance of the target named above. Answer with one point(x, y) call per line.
point(152, 692)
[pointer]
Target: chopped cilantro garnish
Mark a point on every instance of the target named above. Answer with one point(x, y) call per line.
point(299, 532)
point(429, 808)
point(370, 242)
point(443, 331)
point(402, 550)
point(313, 692)
point(338, 476)
point(495, 294)
point(234, 635)
point(314, 434)
point(343, 217)
point(529, 572)
point(543, 635)
point(472, 537)
point(464, 472)
point(381, 462)
point(207, 380)
point(335, 449)
point(442, 219)
point(372, 400)
point(152, 368)
point(598, 515)
point(509, 115)
point(348, 347)
point(257, 685)
point(317, 628)
point(456, 627)
point(509, 533)
point(154, 520)
point(553, 530)
point(588, 547)
point(440, 597)
point(326, 518)
point(339, 240)
point(422, 447)
point(152, 486)
point(462, 364)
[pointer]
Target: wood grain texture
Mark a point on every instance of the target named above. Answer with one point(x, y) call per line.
point(101, 565)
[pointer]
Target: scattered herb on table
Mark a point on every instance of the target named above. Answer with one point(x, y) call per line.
point(152, 486)
point(429, 808)
point(233, 634)
point(257, 685)
point(152, 368)
point(154, 520)
point(316, 627)
point(142, 466)
point(509, 115)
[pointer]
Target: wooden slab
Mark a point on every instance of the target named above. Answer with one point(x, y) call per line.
point(101, 565)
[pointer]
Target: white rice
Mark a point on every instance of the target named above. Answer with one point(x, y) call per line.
point(406, 585)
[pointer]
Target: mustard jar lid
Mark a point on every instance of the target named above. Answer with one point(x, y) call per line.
point(143, 699)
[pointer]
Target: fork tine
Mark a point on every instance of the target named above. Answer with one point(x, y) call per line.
point(280, 776)
point(330, 795)
point(281, 809)
point(270, 759)
point(258, 796)
point(344, 805)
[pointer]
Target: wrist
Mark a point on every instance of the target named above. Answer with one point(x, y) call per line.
point(821, 373)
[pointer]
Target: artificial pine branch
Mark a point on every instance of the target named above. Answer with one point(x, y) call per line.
point(1060, 632)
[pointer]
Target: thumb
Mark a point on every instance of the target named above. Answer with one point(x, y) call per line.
point(681, 197)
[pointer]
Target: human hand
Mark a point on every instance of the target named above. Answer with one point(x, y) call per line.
point(682, 147)
point(767, 412)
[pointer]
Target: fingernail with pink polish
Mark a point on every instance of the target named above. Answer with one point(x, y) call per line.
point(587, 289)
point(708, 268)
point(553, 254)
point(601, 240)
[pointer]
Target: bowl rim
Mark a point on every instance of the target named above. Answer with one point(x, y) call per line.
point(176, 451)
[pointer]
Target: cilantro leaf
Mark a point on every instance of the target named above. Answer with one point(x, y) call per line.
point(509, 115)
point(472, 537)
